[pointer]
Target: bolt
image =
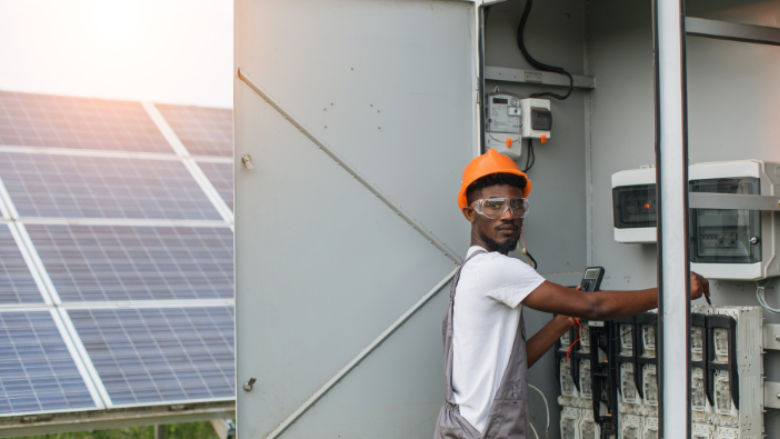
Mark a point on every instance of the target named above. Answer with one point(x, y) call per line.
point(249, 384)
point(246, 160)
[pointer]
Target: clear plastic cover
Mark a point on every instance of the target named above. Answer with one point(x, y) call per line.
point(725, 235)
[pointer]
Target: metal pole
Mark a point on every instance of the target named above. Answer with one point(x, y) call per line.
point(672, 179)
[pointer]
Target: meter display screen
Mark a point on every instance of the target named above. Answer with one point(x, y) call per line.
point(541, 119)
point(634, 206)
point(725, 235)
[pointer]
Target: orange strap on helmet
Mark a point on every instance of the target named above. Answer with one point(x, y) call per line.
point(491, 162)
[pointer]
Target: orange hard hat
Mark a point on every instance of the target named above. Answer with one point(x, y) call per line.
point(491, 162)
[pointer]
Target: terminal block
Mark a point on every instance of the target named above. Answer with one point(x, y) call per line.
point(610, 383)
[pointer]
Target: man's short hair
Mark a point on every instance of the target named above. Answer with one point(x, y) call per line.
point(492, 180)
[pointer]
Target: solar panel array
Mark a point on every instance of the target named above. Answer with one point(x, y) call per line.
point(116, 266)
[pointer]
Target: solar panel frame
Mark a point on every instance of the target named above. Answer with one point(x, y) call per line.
point(17, 284)
point(37, 372)
point(221, 176)
point(62, 186)
point(121, 263)
point(149, 356)
point(80, 123)
point(203, 131)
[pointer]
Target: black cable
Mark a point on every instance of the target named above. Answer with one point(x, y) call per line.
point(530, 156)
point(539, 65)
point(528, 254)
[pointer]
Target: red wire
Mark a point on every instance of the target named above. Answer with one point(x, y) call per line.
point(579, 336)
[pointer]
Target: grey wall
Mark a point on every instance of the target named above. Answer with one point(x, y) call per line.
point(733, 109)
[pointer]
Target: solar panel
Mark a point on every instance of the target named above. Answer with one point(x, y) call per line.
point(92, 263)
point(16, 282)
point(37, 373)
point(68, 122)
point(221, 176)
point(157, 355)
point(46, 185)
point(143, 354)
point(204, 131)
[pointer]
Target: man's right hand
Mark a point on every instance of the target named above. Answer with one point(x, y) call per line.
point(699, 286)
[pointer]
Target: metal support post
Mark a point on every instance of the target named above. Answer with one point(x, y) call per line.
point(672, 178)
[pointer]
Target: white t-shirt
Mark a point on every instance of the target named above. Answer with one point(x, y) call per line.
point(485, 319)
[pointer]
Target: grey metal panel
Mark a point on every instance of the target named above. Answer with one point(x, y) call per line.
point(732, 31)
point(378, 392)
point(344, 69)
point(319, 259)
point(324, 266)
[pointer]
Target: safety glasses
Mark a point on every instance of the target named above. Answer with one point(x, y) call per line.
point(494, 208)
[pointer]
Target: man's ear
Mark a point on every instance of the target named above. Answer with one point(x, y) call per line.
point(469, 213)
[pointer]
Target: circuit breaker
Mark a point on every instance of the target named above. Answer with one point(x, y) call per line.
point(575, 384)
point(726, 377)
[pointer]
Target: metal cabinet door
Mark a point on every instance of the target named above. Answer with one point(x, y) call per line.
point(353, 121)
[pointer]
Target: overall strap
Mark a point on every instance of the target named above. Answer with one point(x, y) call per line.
point(447, 328)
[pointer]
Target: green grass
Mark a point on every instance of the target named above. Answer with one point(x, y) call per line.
point(194, 430)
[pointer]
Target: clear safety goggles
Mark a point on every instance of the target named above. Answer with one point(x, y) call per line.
point(493, 208)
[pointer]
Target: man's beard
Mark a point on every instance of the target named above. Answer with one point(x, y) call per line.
point(504, 247)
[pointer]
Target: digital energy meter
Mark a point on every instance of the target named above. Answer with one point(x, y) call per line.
point(734, 218)
point(510, 119)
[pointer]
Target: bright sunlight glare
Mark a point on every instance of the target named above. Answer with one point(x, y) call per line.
point(174, 51)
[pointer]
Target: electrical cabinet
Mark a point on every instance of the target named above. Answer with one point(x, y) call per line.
point(609, 385)
point(734, 218)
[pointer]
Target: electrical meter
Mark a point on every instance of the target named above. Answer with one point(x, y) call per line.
point(502, 130)
point(734, 221)
point(510, 119)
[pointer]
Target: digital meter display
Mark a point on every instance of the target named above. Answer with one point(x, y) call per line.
point(634, 206)
point(725, 235)
point(541, 119)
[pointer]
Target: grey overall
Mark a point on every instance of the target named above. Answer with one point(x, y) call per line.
point(508, 416)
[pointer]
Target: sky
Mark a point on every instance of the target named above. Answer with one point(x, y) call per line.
point(167, 51)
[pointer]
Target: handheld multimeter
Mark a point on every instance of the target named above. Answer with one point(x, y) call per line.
point(591, 279)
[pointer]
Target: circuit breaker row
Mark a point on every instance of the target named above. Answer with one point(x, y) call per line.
point(609, 378)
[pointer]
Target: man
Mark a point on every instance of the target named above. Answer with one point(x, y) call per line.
point(486, 353)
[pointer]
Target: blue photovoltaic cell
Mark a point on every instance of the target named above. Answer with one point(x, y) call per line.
point(44, 185)
point(16, 282)
point(221, 176)
point(160, 355)
point(203, 131)
point(68, 122)
point(37, 373)
point(88, 263)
